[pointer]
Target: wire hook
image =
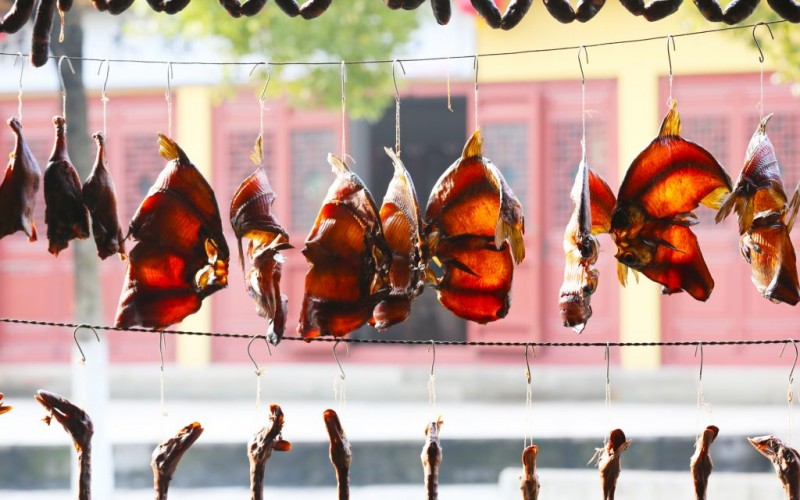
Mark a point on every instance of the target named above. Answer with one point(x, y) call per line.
point(758, 45)
point(582, 48)
point(75, 337)
point(262, 98)
point(108, 72)
point(796, 355)
point(669, 54)
point(432, 349)
point(63, 86)
point(394, 77)
point(700, 347)
point(250, 354)
point(336, 357)
point(527, 363)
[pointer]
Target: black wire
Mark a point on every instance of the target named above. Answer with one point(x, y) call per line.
point(478, 343)
point(410, 59)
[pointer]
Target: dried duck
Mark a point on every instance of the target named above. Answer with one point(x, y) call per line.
point(19, 187)
point(100, 197)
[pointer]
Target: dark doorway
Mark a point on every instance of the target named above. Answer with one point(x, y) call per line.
point(431, 139)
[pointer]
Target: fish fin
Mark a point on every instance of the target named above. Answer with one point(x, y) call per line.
point(474, 146)
point(506, 231)
point(726, 207)
point(169, 149)
point(622, 273)
point(257, 156)
point(792, 207)
point(338, 165)
point(715, 198)
point(672, 122)
point(602, 201)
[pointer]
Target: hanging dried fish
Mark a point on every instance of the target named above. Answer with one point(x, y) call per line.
point(80, 428)
point(309, 10)
point(181, 256)
point(4, 408)
point(251, 217)
point(785, 460)
point(734, 13)
point(100, 197)
point(17, 16)
point(19, 187)
point(349, 259)
point(432, 458)
point(652, 217)
point(168, 454)
point(608, 461)
point(653, 11)
point(65, 214)
point(474, 227)
point(581, 248)
point(701, 464)
point(401, 221)
point(529, 480)
point(260, 449)
point(339, 452)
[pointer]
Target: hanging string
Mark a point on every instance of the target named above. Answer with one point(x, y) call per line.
point(583, 102)
point(63, 86)
point(790, 392)
point(339, 387)
point(669, 58)
point(103, 96)
point(397, 107)
point(528, 398)
point(82, 361)
point(432, 379)
point(476, 92)
point(608, 387)
point(448, 49)
point(344, 112)
point(162, 346)
point(259, 371)
point(168, 97)
point(21, 60)
point(262, 101)
point(761, 67)
point(702, 406)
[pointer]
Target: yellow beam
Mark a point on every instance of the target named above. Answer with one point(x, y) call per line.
point(193, 131)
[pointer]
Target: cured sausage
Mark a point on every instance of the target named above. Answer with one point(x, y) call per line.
point(42, 26)
point(17, 16)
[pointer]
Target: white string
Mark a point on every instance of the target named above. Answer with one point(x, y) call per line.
point(608, 387)
point(476, 92)
point(259, 372)
point(344, 112)
point(432, 392)
point(162, 344)
point(21, 60)
point(168, 97)
point(583, 108)
point(669, 58)
point(339, 391)
point(790, 405)
point(761, 98)
point(448, 47)
point(103, 97)
point(528, 408)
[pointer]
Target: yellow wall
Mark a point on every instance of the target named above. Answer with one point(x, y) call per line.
point(637, 68)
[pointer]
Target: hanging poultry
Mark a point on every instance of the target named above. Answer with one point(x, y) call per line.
point(181, 256)
point(168, 454)
point(349, 257)
point(529, 480)
point(581, 248)
point(765, 220)
point(474, 227)
point(260, 449)
point(65, 214)
point(432, 458)
point(701, 464)
point(251, 218)
point(652, 214)
point(19, 187)
point(100, 197)
point(80, 428)
point(339, 453)
point(785, 460)
point(401, 221)
point(608, 461)
point(4, 408)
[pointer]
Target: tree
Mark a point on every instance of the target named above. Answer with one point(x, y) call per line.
point(350, 30)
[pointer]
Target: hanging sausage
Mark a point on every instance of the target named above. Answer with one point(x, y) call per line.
point(251, 218)
point(168, 454)
point(349, 259)
point(181, 256)
point(652, 216)
point(432, 458)
point(65, 214)
point(19, 187)
point(100, 197)
point(474, 227)
point(17, 16)
point(268, 439)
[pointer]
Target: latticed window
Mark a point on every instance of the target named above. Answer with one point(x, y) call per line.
point(311, 174)
point(507, 146)
point(142, 166)
point(240, 146)
point(566, 147)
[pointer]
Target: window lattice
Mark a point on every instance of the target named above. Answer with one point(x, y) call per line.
point(311, 175)
point(507, 146)
point(142, 166)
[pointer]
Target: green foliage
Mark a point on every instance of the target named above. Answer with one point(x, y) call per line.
point(350, 30)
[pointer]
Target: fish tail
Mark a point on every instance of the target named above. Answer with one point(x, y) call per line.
point(506, 231)
point(672, 122)
point(794, 204)
point(257, 156)
point(474, 146)
point(339, 166)
point(169, 149)
point(716, 198)
point(726, 207)
point(622, 274)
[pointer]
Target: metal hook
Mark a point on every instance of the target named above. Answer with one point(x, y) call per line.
point(580, 64)
point(170, 76)
point(250, 354)
point(527, 363)
point(336, 357)
point(266, 83)
point(758, 45)
point(108, 72)
point(61, 75)
point(700, 346)
point(432, 348)
point(162, 346)
point(394, 78)
point(669, 54)
point(796, 355)
point(75, 337)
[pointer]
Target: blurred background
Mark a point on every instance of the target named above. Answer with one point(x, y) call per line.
point(529, 107)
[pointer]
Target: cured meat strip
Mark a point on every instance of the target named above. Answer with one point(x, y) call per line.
point(701, 464)
point(260, 449)
point(608, 462)
point(167, 455)
point(785, 460)
point(432, 458)
point(19, 187)
point(529, 480)
point(339, 452)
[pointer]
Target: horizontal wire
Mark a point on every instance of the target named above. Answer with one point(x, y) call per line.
point(478, 343)
point(410, 59)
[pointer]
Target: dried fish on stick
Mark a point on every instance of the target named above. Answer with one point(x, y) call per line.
point(168, 454)
point(260, 448)
point(80, 428)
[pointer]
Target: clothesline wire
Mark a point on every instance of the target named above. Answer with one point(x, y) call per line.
point(476, 343)
point(413, 59)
